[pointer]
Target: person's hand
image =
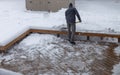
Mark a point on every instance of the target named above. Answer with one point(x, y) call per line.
point(80, 21)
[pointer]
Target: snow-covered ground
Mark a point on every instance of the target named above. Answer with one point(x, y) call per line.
point(55, 55)
point(98, 15)
point(15, 19)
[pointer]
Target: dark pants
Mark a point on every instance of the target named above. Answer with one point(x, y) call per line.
point(71, 31)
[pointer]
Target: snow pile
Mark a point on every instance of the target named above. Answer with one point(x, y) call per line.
point(116, 69)
point(8, 72)
point(117, 50)
point(46, 54)
point(42, 44)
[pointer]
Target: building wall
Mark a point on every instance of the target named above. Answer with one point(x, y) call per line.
point(47, 5)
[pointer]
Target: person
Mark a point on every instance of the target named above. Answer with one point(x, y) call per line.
point(70, 15)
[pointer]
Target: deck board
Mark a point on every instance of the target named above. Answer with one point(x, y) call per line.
point(105, 66)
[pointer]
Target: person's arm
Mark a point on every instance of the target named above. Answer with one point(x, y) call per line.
point(65, 14)
point(78, 16)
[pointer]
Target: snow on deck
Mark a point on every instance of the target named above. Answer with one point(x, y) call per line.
point(8, 72)
point(50, 55)
point(97, 15)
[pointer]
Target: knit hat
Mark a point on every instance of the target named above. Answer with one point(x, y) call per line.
point(70, 5)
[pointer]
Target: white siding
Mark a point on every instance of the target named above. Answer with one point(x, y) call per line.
point(47, 5)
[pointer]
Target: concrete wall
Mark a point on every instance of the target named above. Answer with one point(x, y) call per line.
point(47, 5)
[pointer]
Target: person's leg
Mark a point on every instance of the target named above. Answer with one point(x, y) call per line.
point(69, 31)
point(73, 32)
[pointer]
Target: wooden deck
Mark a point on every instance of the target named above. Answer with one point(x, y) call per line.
point(4, 48)
point(105, 66)
point(58, 32)
point(99, 66)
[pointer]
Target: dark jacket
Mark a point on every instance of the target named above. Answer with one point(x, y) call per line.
point(70, 14)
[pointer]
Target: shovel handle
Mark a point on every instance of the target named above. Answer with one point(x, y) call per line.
point(77, 22)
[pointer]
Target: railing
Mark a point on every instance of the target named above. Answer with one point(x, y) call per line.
point(58, 32)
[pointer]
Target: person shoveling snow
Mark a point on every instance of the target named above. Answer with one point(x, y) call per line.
point(70, 15)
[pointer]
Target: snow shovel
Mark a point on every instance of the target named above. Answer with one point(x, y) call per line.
point(77, 22)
